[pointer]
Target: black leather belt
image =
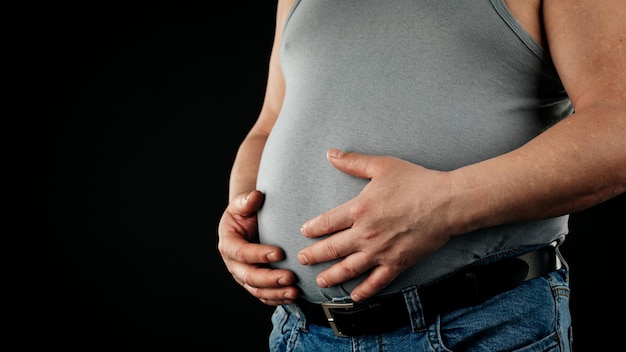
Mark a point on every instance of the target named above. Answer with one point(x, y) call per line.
point(469, 287)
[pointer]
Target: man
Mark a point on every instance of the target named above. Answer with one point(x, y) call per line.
point(407, 183)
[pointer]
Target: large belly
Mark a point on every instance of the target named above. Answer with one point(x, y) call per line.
point(440, 98)
point(299, 183)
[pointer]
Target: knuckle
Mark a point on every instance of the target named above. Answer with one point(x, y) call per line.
point(247, 280)
point(235, 252)
point(349, 271)
point(325, 223)
point(330, 249)
point(377, 285)
point(369, 234)
point(357, 210)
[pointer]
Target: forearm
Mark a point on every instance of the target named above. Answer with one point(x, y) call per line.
point(246, 165)
point(572, 166)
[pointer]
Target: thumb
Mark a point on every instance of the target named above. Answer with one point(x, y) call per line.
point(249, 203)
point(355, 164)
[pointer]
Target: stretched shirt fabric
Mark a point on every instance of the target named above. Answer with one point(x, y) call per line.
point(440, 83)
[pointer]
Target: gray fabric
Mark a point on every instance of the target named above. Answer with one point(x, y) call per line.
point(441, 83)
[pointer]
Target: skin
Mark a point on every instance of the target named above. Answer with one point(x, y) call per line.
point(397, 220)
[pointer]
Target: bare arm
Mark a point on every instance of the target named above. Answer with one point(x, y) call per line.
point(579, 162)
point(238, 245)
point(246, 165)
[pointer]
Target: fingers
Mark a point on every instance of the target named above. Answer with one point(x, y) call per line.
point(354, 265)
point(327, 223)
point(239, 250)
point(348, 268)
point(341, 217)
point(355, 164)
point(378, 279)
point(247, 260)
point(336, 246)
point(270, 286)
point(234, 242)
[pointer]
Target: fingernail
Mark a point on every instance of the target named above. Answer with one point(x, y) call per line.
point(321, 282)
point(303, 259)
point(272, 257)
point(282, 281)
point(335, 153)
point(355, 298)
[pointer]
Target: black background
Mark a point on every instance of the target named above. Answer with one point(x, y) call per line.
point(132, 115)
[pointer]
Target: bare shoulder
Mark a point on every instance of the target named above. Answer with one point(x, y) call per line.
point(587, 41)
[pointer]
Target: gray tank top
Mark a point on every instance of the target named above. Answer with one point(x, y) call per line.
point(440, 83)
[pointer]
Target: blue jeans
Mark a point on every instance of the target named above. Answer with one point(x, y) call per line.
point(534, 316)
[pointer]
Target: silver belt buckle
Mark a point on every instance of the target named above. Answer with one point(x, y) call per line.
point(327, 306)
